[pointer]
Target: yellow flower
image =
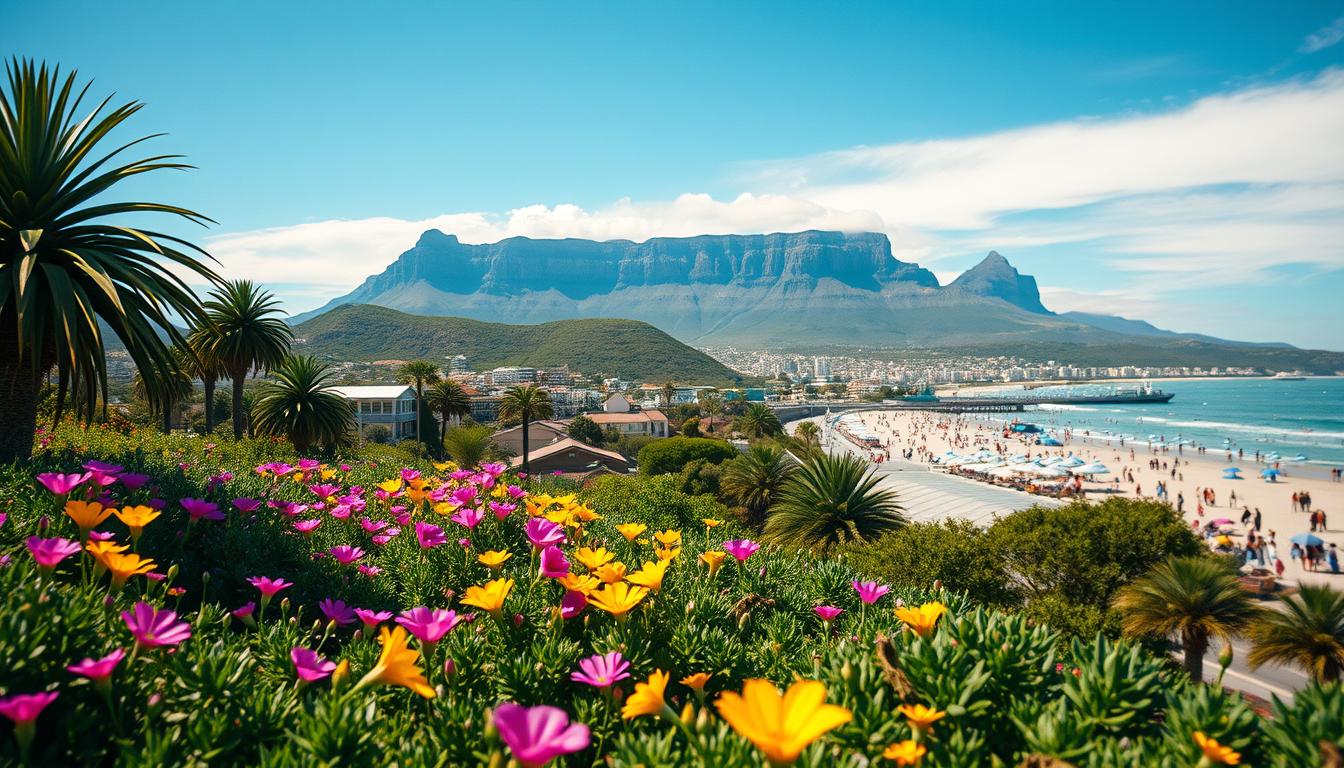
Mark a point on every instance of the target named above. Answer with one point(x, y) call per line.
point(341, 672)
point(593, 559)
point(667, 554)
point(86, 514)
point(101, 550)
point(651, 575)
point(327, 474)
point(494, 558)
point(124, 567)
point(647, 698)
point(617, 599)
point(490, 596)
point(908, 752)
point(585, 513)
point(397, 664)
point(1215, 752)
point(576, 583)
point(136, 518)
point(631, 531)
point(444, 508)
point(445, 466)
point(921, 717)
point(922, 619)
point(714, 560)
point(711, 522)
point(696, 681)
point(611, 572)
point(668, 538)
point(391, 486)
point(781, 726)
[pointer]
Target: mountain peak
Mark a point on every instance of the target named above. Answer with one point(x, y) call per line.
point(995, 278)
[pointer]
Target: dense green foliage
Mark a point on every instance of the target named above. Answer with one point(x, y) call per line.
point(832, 500)
point(624, 348)
point(953, 552)
point(1308, 633)
point(755, 479)
point(1009, 689)
point(671, 454)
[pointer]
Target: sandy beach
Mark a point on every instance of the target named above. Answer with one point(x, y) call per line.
point(1135, 471)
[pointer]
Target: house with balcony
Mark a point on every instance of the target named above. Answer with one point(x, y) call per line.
point(392, 406)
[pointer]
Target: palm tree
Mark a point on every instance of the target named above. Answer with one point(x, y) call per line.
point(1194, 597)
point(832, 500)
point(418, 373)
point(711, 405)
point(302, 405)
point(468, 445)
point(203, 364)
point(1308, 632)
point(669, 391)
point(170, 388)
point(526, 403)
point(64, 271)
point(448, 399)
point(809, 434)
point(759, 421)
point(246, 334)
point(756, 477)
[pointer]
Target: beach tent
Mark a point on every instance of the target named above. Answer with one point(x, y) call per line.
point(1232, 473)
point(1307, 540)
point(1050, 441)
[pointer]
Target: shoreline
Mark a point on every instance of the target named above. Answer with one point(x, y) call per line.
point(949, 389)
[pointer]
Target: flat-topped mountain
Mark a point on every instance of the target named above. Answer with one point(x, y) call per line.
point(995, 278)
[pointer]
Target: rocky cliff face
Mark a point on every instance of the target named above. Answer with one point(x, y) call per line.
point(995, 278)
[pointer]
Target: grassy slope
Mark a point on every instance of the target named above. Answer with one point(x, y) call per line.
point(625, 348)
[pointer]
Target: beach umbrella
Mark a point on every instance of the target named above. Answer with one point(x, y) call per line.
point(1095, 468)
point(1307, 540)
point(1231, 473)
point(1223, 521)
point(1073, 461)
point(1054, 472)
point(1050, 441)
point(1271, 472)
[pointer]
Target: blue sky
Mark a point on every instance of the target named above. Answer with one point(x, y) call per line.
point(1176, 162)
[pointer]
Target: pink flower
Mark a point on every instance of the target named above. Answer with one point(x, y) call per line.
point(309, 666)
point(50, 552)
point(465, 495)
point(268, 586)
point(308, 465)
point(407, 475)
point(553, 563)
point(103, 467)
point(246, 506)
point(543, 533)
point(741, 548)
point(100, 669)
point(372, 619)
point(515, 492)
point(199, 508)
point(469, 516)
point(429, 535)
point(60, 484)
point(153, 628)
point(340, 511)
point(306, 527)
point(369, 570)
point(602, 671)
point(494, 469)
point(870, 591)
point(102, 535)
point(132, 481)
point(345, 554)
point(572, 604)
point(325, 490)
point(372, 526)
point(244, 613)
point(428, 625)
point(502, 510)
point(537, 735)
point(337, 611)
point(23, 709)
point(828, 612)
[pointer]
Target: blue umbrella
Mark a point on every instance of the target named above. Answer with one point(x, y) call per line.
point(1231, 473)
point(1307, 540)
point(1271, 472)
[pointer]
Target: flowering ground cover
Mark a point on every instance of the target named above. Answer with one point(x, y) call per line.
point(170, 602)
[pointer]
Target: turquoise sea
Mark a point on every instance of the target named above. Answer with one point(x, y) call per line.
point(1294, 418)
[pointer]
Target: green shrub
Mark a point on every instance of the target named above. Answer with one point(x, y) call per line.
point(671, 454)
point(953, 552)
point(656, 501)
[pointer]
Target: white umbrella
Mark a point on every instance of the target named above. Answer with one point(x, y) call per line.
point(1092, 469)
point(1054, 472)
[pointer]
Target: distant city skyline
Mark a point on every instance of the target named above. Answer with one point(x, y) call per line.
point(1176, 164)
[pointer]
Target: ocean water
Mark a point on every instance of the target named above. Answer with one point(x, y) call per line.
point(1294, 418)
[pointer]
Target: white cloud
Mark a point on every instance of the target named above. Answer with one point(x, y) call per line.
point(1220, 190)
point(1324, 37)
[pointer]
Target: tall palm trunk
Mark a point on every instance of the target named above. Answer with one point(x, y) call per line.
point(167, 418)
point(209, 384)
point(19, 386)
point(526, 471)
point(1195, 645)
point(238, 378)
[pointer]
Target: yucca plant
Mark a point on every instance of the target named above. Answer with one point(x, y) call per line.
point(1307, 632)
point(301, 404)
point(756, 478)
point(1193, 598)
point(67, 264)
point(467, 445)
point(246, 335)
point(832, 500)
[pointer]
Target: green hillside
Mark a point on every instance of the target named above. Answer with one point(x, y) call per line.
point(625, 348)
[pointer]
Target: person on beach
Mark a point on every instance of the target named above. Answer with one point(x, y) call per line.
point(1246, 516)
point(1296, 552)
point(1296, 506)
point(1180, 503)
point(1278, 568)
point(1257, 518)
point(1333, 559)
